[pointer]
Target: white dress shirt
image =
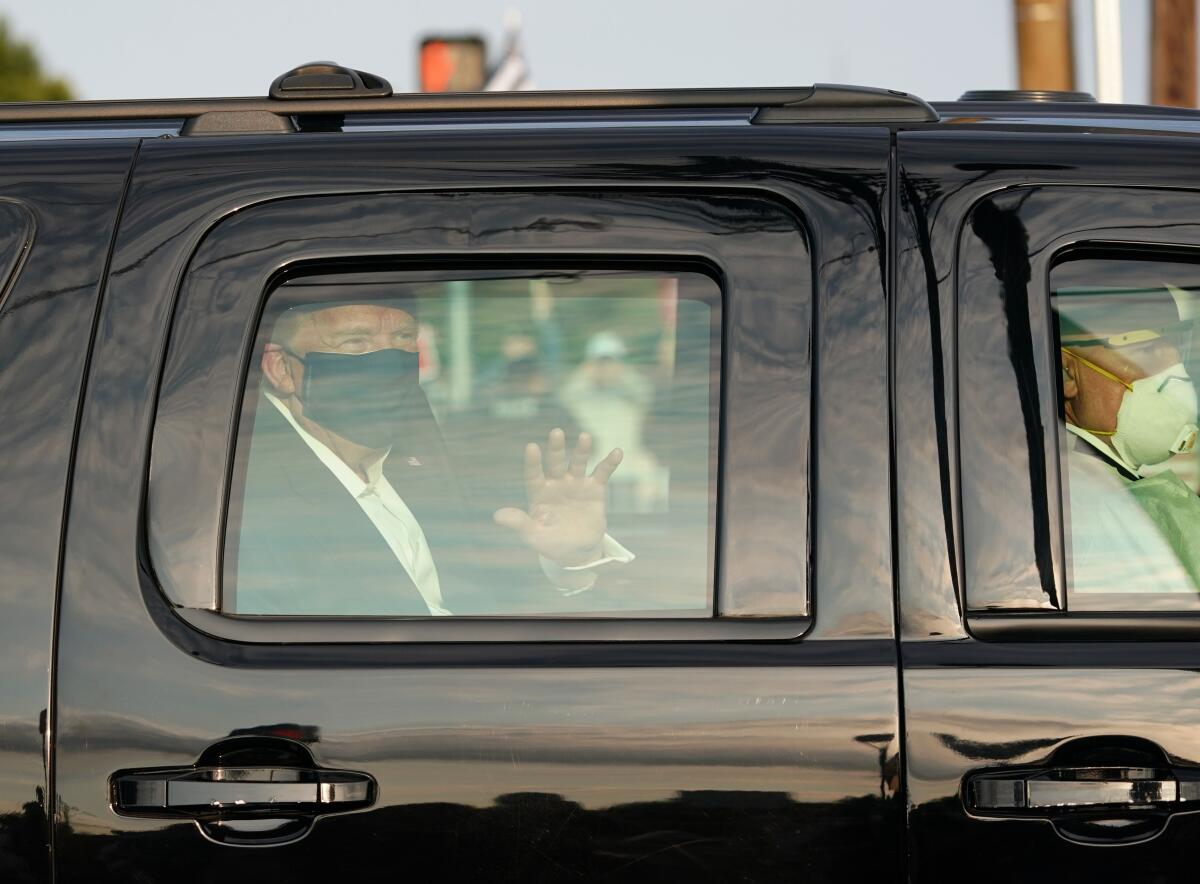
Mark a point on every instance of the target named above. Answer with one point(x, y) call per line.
point(400, 529)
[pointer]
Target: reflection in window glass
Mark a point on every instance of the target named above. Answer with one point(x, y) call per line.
point(1129, 419)
point(493, 444)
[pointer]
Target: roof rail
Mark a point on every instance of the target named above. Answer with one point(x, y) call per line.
point(776, 105)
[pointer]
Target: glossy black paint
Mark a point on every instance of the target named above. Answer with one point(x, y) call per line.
point(540, 761)
point(982, 214)
point(747, 760)
point(58, 207)
point(517, 762)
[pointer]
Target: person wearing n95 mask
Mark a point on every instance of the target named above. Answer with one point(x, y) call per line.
point(1129, 406)
point(1156, 418)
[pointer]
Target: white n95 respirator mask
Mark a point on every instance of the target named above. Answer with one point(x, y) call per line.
point(1157, 417)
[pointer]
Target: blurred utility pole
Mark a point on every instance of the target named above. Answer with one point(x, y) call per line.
point(1173, 53)
point(1044, 51)
point(1106, 21)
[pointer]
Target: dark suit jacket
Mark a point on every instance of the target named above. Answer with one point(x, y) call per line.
point(300, 544)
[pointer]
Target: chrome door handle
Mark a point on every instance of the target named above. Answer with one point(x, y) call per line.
point(1084, 788)
point(255, 790)
point(228, 792)
point(1087, 805)
point(1111, 789)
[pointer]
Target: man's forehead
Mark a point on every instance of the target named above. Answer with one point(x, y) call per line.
point(340, 316)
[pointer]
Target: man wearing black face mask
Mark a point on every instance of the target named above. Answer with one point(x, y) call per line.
point(350, 506)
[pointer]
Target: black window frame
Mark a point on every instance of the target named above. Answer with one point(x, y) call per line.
point(764, 270)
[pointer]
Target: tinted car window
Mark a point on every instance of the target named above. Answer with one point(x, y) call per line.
point(1128, 430)
point(490, 444)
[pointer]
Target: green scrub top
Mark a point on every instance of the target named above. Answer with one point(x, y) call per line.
point(1175, 510)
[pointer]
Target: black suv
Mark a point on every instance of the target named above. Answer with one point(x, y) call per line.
point(708, 485)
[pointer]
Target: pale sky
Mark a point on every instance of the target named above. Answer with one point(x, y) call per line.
point(933, 48)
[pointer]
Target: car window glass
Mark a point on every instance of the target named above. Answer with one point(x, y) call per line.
point(479, 443)
point(1128, 431)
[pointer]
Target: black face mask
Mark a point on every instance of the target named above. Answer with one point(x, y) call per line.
point(366, 398)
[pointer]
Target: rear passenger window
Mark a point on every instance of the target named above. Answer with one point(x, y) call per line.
point(479, 443)
point(1128, 429)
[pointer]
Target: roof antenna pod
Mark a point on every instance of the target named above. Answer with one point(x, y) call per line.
point(326, 79)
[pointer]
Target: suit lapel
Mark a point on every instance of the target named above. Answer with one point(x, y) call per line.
point(337, 559)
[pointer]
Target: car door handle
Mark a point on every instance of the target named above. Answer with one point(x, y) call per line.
point(1120, 804)
point(1064, 788)
point(251, 790)
point(228, 792)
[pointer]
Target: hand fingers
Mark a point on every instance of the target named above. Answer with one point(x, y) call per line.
point(512, 518)
point(534, 477)
point(605, 468)
point(556, 454)
point(579, 458)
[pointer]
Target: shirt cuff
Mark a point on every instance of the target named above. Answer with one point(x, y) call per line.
point(574, 579)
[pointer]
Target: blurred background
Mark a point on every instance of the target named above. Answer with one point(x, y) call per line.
point(1136, 51)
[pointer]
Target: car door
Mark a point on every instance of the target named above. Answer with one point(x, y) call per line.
point(726, 708)
point(58, 197)
point(1048, 625)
